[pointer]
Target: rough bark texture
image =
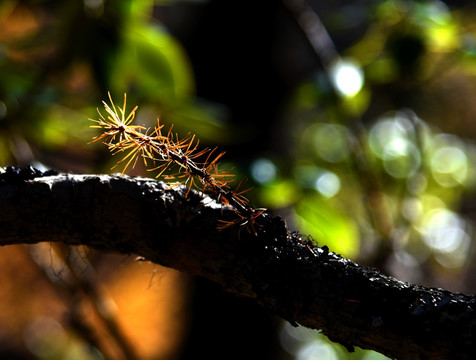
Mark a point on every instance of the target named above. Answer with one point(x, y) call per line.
point(304, 284)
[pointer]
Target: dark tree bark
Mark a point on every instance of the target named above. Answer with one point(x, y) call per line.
point(304, 284)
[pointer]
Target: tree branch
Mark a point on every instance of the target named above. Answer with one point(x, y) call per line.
point(305, 284)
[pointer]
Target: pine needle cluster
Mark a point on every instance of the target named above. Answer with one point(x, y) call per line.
point(162, 152)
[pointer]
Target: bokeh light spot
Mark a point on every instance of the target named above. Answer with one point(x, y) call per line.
point(412, 209)
point(317, 350)
point(389, 129)
point(263, 171)
point(401, 158)
point(328, 184)
point(347, 77)
point(445, 232)
point(449, 166)
point(330, 141)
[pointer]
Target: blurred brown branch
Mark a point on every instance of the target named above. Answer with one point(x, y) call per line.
point(353, 305)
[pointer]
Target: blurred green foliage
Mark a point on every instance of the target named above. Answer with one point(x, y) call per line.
point(366, 163)
point(57, 62)
point(381, 166)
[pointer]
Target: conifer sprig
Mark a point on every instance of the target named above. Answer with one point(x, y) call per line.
point(161, 152)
